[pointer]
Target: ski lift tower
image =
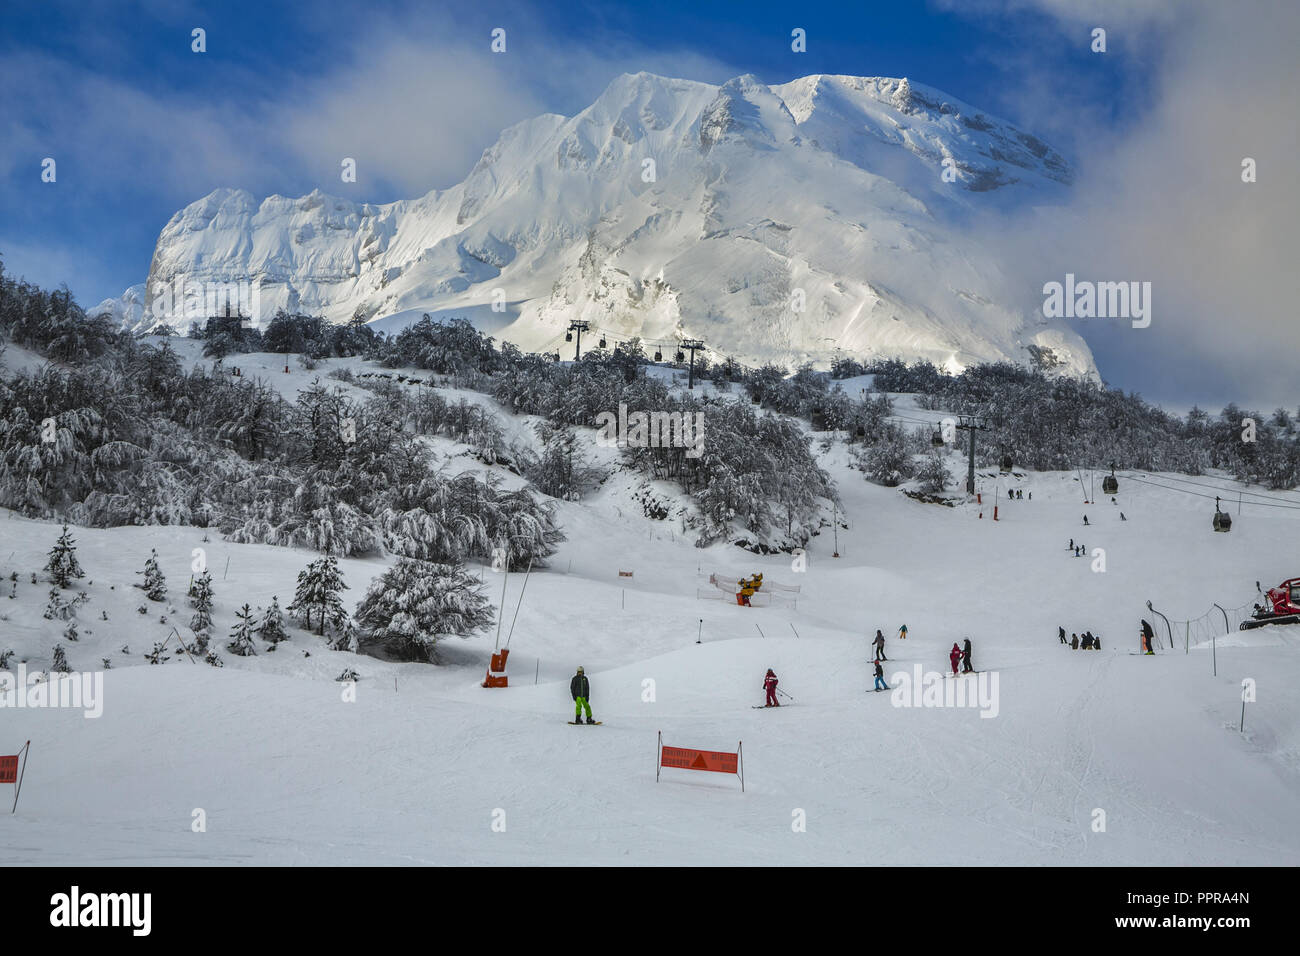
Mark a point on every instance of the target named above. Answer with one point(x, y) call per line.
point(691, 345)
point(970, 423)
point(579, 326)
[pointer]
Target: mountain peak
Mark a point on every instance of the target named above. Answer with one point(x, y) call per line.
point(786, 223)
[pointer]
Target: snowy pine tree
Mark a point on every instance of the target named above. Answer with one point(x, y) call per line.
point(319, 585)
point(272, 627)
point(63, 565)
point(154, 584)
point(60, 663)
point(413, 603)
point(70, 632)
point(201, 597)
point(241, 636)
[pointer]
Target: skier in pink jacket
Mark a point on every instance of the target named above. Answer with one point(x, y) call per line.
point(955, 656)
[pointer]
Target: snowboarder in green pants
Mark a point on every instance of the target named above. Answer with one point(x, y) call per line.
point(580, 688)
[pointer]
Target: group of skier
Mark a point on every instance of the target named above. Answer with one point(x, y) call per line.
point(1087, 640)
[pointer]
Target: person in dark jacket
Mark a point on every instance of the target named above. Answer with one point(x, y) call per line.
point(1061, 632)
point(965, 657)
point(879, 644)
point(880, 678)
point(1074, 642)
point(769, 685)
point(1096, 643)
point(1087, 641)
point(580, 688)
point(1147, 635)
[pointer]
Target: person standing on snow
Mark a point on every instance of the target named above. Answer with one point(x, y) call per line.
point(1147, 634)
point(965, 658)
point(880, 678)
point(954, 656)
point(580, 688)
point(769, 685)
point(902, 633)
point(1061, 632)
point(1074, 642)
point(879, 643)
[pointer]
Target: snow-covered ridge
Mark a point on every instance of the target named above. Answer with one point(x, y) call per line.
point(778, 223)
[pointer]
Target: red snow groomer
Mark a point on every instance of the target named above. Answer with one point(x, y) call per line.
point(1282, 607)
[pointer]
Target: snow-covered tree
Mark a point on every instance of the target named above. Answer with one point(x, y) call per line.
point(241, 635)
point(319, 586)
point(413, 603)
point(63, 565)
point(886, 462)
point(60, 662)
point(70, 632)
point(154, 584)
point(272, 627)
point(201, 598)
point(933, 474)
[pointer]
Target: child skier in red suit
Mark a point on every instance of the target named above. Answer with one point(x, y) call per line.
point(769, 685)
point(955, 656)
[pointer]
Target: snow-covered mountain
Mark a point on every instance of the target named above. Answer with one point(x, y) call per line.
point(789, 223)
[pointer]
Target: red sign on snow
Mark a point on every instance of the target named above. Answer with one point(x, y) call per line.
point(687, 758)
point(9, 769)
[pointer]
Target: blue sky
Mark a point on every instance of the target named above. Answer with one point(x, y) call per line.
point(140, 126)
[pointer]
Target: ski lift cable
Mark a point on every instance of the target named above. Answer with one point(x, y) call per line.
point(1199, 494)
point(1238, 491)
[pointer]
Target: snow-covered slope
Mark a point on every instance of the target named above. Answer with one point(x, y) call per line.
point(777, 223)
point(423, 764)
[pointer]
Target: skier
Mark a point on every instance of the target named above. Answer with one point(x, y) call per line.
point(954, 656)
point(580, 688)
point(1072, 548)
point(1121, 516)
point(965, 658)
point(1061, 632)
point(1147, 634)
point(1096, 643)
point(902, 633)
point(1087, 641)
point(1011, 494)
point(879, 643)
point(1020, 494)
point(880, 678)
point(1074, 642)
point(769, 685)
point(1085, 519)
point(1031, 496)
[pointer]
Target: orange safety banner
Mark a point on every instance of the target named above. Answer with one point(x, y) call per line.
point(9, 769)
point(687, 759)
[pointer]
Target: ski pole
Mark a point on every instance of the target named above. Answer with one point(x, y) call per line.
point(784, 694)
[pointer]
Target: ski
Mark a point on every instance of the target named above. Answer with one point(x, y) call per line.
point(765, 707)
point(583, 723)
